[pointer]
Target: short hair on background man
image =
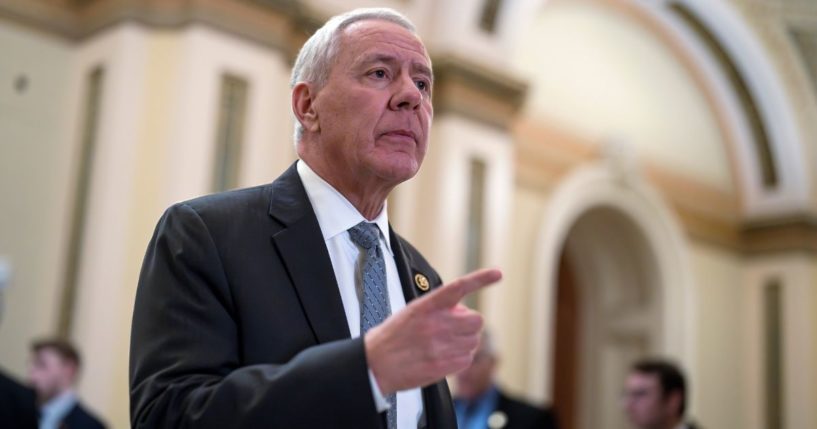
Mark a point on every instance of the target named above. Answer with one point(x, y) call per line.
point(316, 58)
point(669, 377)
point(63, 348)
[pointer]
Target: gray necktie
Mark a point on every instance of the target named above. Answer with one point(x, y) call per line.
point(374, 306)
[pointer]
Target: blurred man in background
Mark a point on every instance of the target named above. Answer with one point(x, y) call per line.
point(53, 373)
point(480, 404)
point(655, 396)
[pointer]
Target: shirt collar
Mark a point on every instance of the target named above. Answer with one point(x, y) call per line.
point(334, 212)
point(61, 404)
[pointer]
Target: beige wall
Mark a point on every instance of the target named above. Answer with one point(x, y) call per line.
point(717, 382)
point(794, 272)
point(513, 325)
point(35, 184)
point(170, 157)
point(159, 87)
point(604, 76)
point(727, 379)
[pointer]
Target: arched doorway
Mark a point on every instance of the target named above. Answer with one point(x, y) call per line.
point(607, 314)
point(615, 281)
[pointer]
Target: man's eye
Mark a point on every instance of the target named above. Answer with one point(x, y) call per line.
point(422, 85)
point(380, 74)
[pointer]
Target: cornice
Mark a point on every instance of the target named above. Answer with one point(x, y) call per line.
point(785, 234)
point(545, 155)
point(280, 24)
point(486, 94)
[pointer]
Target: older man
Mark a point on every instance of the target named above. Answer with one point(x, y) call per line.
point(481, 404)
point(295, 304)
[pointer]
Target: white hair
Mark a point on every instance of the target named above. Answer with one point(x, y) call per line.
point(317, 56)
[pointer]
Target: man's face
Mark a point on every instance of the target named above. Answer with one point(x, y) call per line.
point(49, 374)
point(477, 378)
point(646, 405)
point(375, 110)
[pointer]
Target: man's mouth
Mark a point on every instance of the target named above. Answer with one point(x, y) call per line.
point(401, 134)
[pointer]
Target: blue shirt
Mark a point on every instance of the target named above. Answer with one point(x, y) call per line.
point(55, 410)
point(474, 414)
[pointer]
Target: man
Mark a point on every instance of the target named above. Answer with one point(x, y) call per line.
point(480, 404)
point(655, 396)
point(53, 373)
point(294, 304)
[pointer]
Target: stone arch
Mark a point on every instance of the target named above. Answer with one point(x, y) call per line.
point(615, 188)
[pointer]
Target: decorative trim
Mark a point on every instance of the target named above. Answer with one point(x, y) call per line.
point(544, 155)
point(474, 90)
point(677, 46)
point(274, 23)
point(789, 234)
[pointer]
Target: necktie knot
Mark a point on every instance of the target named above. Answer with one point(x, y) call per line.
point(365, 234)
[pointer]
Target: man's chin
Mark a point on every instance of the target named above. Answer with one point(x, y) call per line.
point(400, 171)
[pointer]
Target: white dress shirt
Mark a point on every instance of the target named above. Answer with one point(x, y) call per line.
point(335, 216)
point(54, 411)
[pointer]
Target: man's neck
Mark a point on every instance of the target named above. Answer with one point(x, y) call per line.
point(677, 423)
point(63, 398)
point(368, 197)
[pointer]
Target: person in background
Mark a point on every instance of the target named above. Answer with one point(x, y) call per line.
point(655, 396)
point(480, 404)
point(53, 373)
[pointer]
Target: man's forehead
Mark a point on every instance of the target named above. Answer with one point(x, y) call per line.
point(361, 35)
point(642, 379)
point(46, 353)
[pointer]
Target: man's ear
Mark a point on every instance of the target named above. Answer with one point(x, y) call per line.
point(673, 402)
point(303, 97)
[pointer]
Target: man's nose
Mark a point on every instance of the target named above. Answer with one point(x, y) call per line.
point(406, 95)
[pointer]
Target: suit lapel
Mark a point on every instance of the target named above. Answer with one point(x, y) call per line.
point(301, 247)
point(405, 270)
point(433, 402)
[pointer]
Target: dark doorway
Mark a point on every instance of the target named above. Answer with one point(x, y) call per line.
point(566, 346)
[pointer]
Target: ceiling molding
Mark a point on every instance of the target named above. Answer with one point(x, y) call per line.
point(279, 24)
point(792, 233)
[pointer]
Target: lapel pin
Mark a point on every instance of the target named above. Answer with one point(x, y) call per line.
point(497, 420)
point(422, 282)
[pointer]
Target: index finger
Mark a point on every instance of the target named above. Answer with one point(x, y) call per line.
point(448, 295)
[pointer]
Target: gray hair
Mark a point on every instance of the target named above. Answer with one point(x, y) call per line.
point(317, 56)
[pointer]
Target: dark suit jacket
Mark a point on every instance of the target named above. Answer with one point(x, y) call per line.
point(79, 418)
point(18, 407)
point(522, 415)
point(239, 323)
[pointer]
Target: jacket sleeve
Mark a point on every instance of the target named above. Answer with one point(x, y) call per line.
point(185, 363)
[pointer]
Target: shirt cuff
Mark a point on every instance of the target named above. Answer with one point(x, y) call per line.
point(380, 401)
